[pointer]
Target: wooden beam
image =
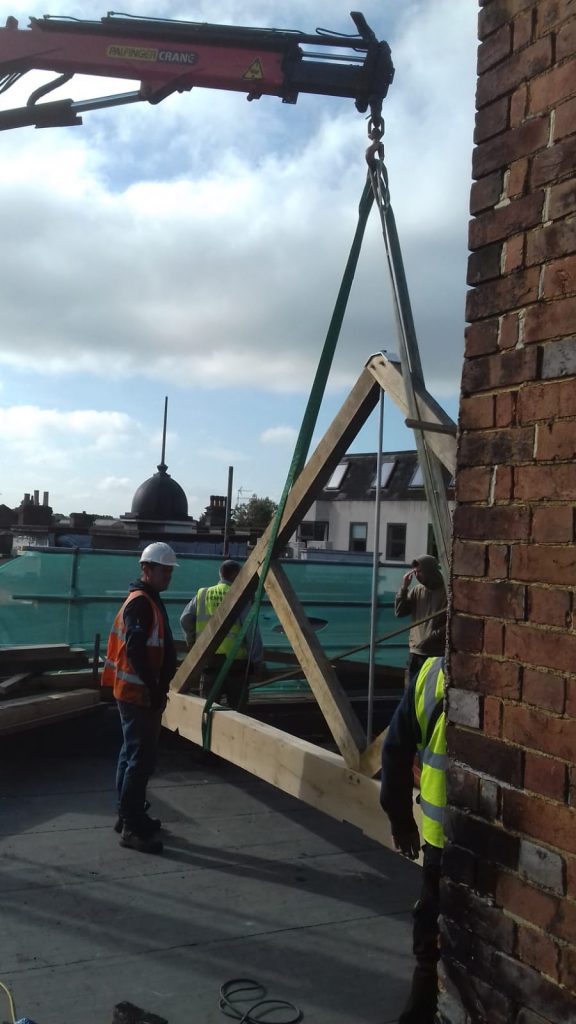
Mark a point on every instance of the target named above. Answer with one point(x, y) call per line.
point(388, 373)
point(324, 683)
point(318, 777)
point(344, 428)
point(371, 758)
point(27, 712)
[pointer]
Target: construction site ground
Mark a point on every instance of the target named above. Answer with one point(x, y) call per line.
point(252, 883)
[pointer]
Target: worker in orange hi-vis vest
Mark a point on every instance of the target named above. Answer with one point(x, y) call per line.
point(140, 662)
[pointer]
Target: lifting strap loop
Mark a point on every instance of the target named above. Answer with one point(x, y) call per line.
point(302, 445)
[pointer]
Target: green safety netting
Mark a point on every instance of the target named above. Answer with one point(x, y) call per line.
point(49, 596)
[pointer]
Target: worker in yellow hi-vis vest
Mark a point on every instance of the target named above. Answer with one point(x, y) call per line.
point(249, 655)
point(419, 726)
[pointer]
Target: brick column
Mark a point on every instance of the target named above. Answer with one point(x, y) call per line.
point(509, 894)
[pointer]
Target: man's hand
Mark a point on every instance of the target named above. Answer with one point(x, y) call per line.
point(408, 843)
point(406, 580)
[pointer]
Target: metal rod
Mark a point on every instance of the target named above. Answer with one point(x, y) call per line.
point(375, 567)
point(226, 542)
point(162, 458)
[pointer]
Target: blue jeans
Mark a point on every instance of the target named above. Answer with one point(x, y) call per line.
point(137, 759)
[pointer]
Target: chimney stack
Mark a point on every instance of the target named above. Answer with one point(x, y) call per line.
point(36, 497)
point(45, 498)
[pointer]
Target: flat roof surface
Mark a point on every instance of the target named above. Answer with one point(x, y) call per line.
point(252, 883)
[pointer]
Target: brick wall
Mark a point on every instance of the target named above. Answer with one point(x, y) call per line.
point(509, 894)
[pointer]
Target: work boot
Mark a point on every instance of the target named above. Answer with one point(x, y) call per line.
point(119, 823)
point(139, 841)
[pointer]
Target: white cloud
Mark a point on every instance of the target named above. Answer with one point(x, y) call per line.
point(114, 483)
point(279, 435)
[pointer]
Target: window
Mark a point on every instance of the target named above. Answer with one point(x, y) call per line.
point(310, 531)
point(417, 478)
point(337, 477)
point(358, 536)
point(396, 542)
point(431, 548)
point(386, 470)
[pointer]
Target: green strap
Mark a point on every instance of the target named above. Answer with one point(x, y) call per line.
point(302, 444)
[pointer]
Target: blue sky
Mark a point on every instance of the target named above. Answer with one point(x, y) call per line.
point(194, 249)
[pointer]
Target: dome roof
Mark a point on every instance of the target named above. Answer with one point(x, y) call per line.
point(160, 497)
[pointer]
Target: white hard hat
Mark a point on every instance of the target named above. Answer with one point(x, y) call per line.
point(159, 553)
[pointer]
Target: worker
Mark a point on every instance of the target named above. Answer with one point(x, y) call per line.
point(426, 597)
point(419, 726)
point(248, 658)
point(140, 662)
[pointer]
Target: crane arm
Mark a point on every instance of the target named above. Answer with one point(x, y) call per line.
point(174, 56)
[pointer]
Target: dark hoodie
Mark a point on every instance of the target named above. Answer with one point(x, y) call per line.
point(423, 600)
point(139, 619)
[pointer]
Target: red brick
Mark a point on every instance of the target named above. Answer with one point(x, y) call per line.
point(518, 68)
point(565, 120)
point(486, 675)
point(559, 278)
point(509, 292)
point(540, 483)
point(571, 698)
point(500, 224)
point(495, 14)
point(525, 140)
point(473, 522)
point(552, 164)
point(477, 412)
point(517, 179)
point(494, 637)
point(566, 40)
point(546, 401)
point(549, 607)
point(503, 370)
point(468, 559)
point(473, 484)
point(522, 30)
point(533, 646)
point(492, 120)
point(553, 823)
point(484, 264)
point(486, 192)
point(518, 104)
point(539, 951)
point(551, 14)
point(548, 563)
point(551, 242)
point(545, 775)
point(544, 733)
point(479, 597)
point(495, 48)
point(506, 410)
point(467, 633)
point(568, 968)
point(552, 524)
point(552, 88)
point(530, 904)
point(556, 439)
point(543, 690)
point(509, 332)
point(492, 720)
point(498, 564)
point(481, 447)
point(503, 483)
point(549, 320)
point(562, 199)
point(513, 256)
point(481, 339)
point(500, 761)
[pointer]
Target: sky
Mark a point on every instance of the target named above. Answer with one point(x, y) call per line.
point(194, 249)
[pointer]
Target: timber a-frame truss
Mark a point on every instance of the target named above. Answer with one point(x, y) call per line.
point(343, 784)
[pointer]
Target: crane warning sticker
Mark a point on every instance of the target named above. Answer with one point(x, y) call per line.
point(255, 72)
point(151, 54)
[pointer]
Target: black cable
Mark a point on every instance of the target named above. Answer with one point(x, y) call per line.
point(232, 993)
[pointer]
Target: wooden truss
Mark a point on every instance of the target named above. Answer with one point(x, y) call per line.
point(343, 784)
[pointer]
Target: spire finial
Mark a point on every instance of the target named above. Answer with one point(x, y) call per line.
point(163, 467)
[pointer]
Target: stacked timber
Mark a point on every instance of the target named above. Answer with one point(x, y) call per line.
point(41, 684)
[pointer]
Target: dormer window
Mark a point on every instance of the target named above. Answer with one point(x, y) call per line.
point(386, 470)
point(337, 477)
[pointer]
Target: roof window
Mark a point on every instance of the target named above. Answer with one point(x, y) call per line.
point(386, 470)
point(337, 477)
